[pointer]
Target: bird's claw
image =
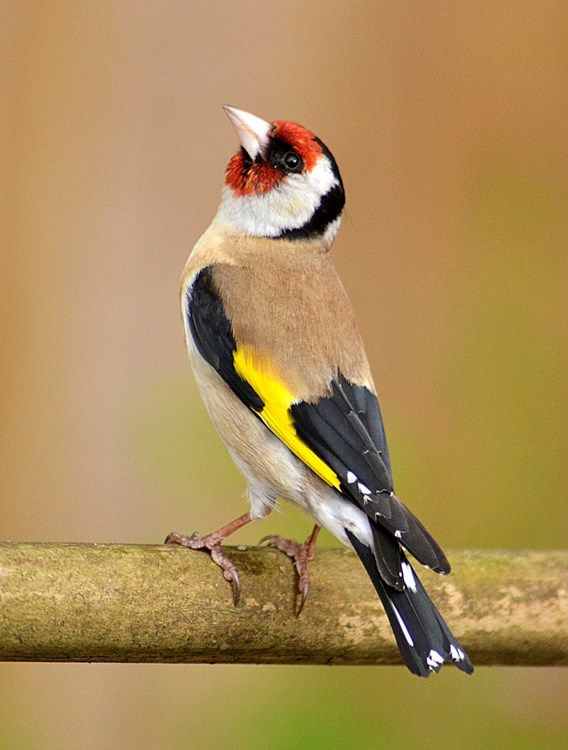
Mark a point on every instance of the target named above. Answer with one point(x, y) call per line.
point(230, 573)
point(303, 587)
point(302, 554)
point(211, 544)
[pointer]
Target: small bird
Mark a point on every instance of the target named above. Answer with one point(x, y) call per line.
point(279, 361)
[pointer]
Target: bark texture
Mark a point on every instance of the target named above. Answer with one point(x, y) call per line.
point(137, 603)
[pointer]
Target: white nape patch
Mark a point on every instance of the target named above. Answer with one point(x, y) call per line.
point(351, 477)
point(408, 576)
point(289, 205)
point(434, 659)
point(331, 232)
point(403, 626)
point(363, 489)
point(456, 653)
point(398, 534)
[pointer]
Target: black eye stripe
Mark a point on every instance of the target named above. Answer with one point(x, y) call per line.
point(282, 155)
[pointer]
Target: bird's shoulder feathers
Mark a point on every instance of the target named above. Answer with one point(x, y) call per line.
point(286, 303)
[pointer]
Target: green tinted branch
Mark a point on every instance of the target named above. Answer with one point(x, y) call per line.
point(131, 603)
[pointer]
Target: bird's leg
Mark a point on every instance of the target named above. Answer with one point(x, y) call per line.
point(212, 544)
point(302, 554)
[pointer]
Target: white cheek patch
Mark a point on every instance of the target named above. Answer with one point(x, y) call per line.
point(320, 178)
point(289, 205)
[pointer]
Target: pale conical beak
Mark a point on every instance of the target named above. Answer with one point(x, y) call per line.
point(252, 132)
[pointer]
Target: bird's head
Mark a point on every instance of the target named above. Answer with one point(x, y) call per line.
point(282, 183)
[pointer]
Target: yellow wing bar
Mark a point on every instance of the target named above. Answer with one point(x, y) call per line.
point(278, 399)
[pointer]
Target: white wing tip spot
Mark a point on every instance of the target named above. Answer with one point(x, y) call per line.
point(363, 488)
point(351, 477)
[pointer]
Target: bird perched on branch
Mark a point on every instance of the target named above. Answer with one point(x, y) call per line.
point(280, 364)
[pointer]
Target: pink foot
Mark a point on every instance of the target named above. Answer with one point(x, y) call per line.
point(211, 543)
point(302, 554)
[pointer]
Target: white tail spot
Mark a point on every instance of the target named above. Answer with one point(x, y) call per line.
point(403, 626)
point(408, 576)
point(435, 657)
point(456, 653)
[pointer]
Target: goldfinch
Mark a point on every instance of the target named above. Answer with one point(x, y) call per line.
point(277, 355)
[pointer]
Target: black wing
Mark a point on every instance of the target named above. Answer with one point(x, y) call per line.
point(213, 336)
point(346, 430)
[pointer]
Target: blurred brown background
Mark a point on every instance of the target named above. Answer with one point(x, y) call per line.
point(448, 121)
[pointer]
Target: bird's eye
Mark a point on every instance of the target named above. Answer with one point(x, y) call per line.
point(292, 162)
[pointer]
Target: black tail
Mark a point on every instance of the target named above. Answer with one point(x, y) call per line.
point(424, 639)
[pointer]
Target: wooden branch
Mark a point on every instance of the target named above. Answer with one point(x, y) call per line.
point(132, 603)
